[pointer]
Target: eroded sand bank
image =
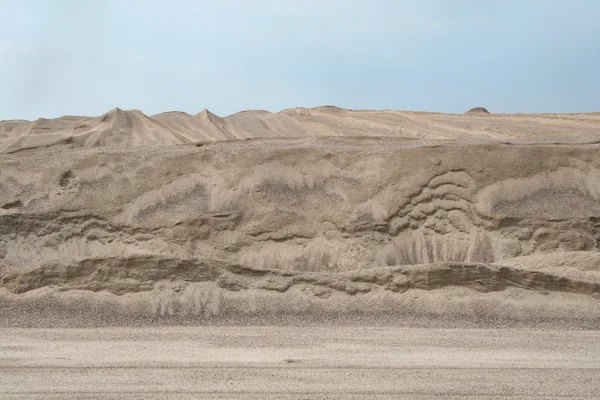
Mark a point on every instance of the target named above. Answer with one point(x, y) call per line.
point(335, 215)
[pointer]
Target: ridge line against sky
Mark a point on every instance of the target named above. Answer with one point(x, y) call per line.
point(70, 57)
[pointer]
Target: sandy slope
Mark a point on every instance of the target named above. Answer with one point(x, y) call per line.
point(126, 129)
point(325, 213)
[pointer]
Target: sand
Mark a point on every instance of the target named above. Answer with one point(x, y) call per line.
point(320, 218)
point(269, 362)
point(129, 129)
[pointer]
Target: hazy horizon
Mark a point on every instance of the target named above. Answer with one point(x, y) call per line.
point(75, 58)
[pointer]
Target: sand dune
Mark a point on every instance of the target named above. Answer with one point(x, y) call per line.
point(326, 213)
point(127, 129)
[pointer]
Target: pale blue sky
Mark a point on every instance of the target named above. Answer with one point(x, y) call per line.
point(65, 57)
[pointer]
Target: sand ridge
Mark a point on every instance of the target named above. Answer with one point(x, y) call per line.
point(309, 213)
point(120, 128)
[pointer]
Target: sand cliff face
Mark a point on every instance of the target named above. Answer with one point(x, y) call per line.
point(469, 218)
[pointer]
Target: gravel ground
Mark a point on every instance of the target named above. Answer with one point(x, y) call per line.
point(298, 362)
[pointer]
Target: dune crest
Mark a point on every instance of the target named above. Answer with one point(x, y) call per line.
point(126, 129)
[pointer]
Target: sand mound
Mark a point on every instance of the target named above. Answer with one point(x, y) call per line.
point(478, 110)
point(316, 227)
point(127, 129)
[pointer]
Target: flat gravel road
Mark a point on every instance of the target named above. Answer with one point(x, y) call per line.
point(268, 362)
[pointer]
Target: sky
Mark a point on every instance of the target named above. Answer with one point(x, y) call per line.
point(79, 57)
